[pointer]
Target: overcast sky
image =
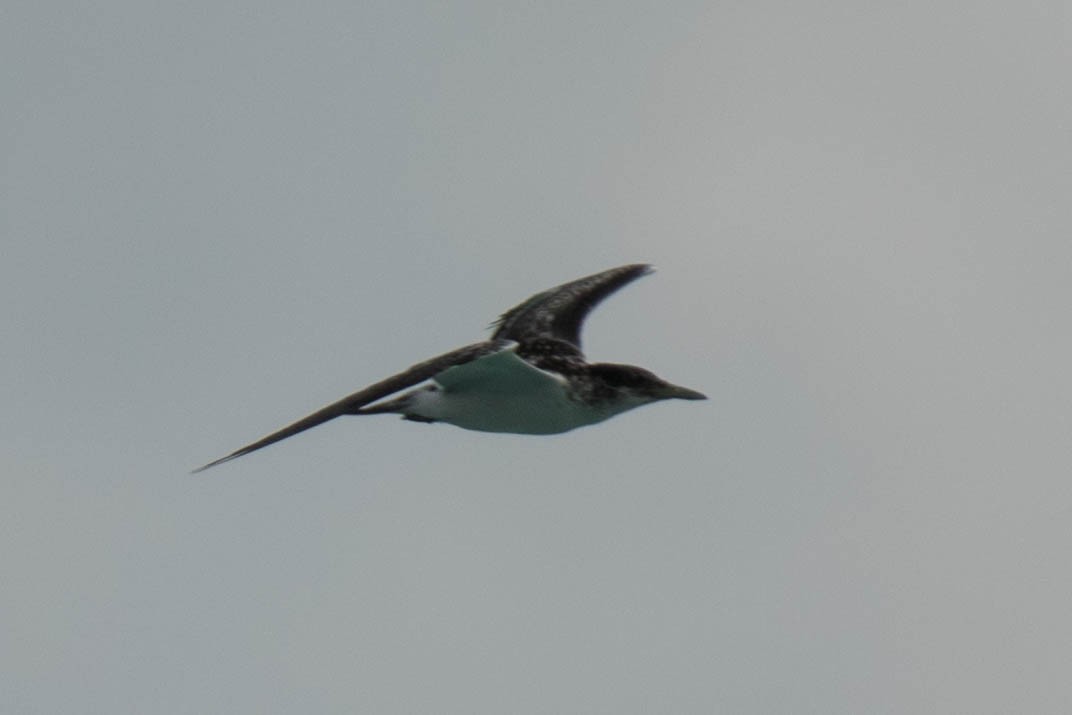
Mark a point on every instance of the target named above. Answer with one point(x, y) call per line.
point(216, 218)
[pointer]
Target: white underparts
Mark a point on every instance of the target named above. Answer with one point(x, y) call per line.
point(503, 393)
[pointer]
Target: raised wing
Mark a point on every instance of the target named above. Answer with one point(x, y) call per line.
point(558, 313)
point(353, 403)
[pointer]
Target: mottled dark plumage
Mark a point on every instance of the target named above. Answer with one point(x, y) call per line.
point(560, 312)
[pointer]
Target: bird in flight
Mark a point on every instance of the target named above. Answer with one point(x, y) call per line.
point(530, 377)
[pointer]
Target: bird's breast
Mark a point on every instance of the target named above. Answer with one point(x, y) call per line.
point(545, 409)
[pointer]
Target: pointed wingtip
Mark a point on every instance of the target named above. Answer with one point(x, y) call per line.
point(214, 463)
point(203, 467)
point(637, 269)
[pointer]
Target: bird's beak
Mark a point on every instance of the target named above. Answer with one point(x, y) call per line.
point(675, 392)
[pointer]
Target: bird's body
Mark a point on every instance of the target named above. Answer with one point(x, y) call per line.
point(529, 378)
point(501, 392)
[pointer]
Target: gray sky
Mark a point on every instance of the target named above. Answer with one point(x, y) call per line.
point(218, 218)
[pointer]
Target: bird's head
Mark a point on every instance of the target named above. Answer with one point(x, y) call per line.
point(638, 385)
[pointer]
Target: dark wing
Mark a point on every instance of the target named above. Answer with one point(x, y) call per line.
point(558, 313)
point(352, 404)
